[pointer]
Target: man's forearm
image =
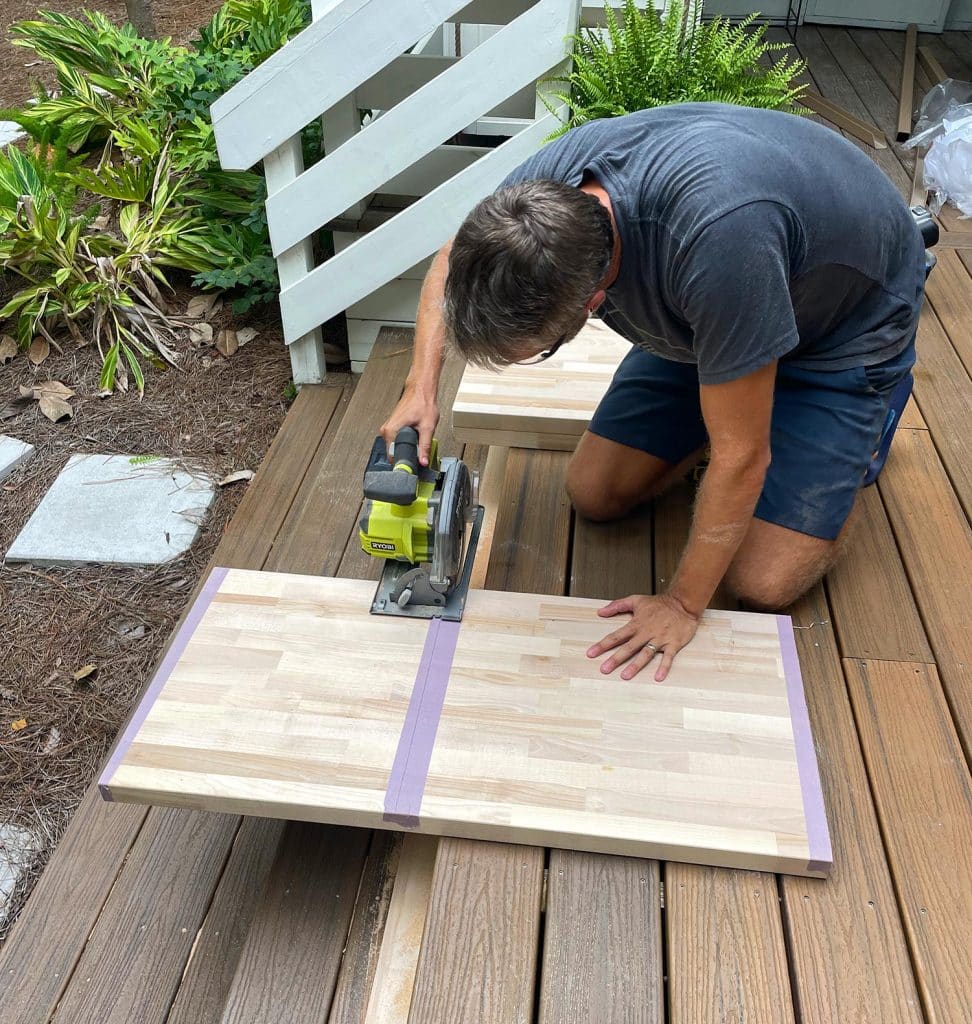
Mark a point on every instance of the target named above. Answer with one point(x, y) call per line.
point(723, 512)
point(429, 328)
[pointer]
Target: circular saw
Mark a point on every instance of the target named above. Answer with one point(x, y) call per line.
point(417, 519)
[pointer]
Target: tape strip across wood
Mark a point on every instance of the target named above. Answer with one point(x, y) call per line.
point(818, 834)
point(410, 769)
point(178, 645)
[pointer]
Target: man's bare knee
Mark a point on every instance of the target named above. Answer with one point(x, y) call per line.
point(597, 504)
point(766, 595)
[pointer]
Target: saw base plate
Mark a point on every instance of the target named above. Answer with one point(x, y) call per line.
point(455, 601)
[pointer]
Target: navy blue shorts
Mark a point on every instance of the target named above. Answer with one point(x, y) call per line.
point(825, 427)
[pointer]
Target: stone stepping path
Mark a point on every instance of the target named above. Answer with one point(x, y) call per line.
point(115, 510)
point(13, 453)
point(18, 848)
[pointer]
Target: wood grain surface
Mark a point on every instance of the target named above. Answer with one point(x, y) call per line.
point(314, 882)
point(603, 958)
point(726, 956)
point(923, 794)
point(874, 609)
point(212, 964)
point(289, 700)
point(359, 961)
point(478, 968)
point(543, 406)
point(734, 975)
point(936, 547)
point(176, 863)
point(602, 953)
point(847, 954)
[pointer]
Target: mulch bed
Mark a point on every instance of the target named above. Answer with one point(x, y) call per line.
point(215, 414)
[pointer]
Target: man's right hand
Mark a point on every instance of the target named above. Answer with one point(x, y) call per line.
point(417, 409)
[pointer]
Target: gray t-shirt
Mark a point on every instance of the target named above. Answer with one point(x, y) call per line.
point(746, 236)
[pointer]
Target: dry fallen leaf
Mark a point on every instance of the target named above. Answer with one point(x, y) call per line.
point(246, 334)
point(21, 723)
point(46, 389)
point(55, 408)
point(14, 408)
point(201, 334)
point(52, 396)
point(85, 672)
point(39, 350)
point(235, 478)
point(53, 389)
point(202, 305)
point(53, 740)
point(227, 342)
point(8, 348)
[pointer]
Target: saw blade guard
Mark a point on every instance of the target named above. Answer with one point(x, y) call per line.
point(452, 507)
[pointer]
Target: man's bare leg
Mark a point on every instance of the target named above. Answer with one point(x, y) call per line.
point(606, 480)
point(774, 566)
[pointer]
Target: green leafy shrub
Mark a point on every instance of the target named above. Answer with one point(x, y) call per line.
point(646, 58)
point(142, 106)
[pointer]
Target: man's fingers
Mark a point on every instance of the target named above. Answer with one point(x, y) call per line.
point(388, 433)
point(629, 650)
point(666, 663)
point(424, 445)
point(611, 641)
point(638, 662)
point(618, 607)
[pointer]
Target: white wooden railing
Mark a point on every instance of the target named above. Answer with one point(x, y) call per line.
point(392, 190)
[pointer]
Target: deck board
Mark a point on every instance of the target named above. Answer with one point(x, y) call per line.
point(924, 797)
point(457, 977)
point(935, 541)
point(724, 931)
point(219, 942)
point(135, 956)
point(847, 953)
point(603, 957)
point(874, 610)
point(289, 962)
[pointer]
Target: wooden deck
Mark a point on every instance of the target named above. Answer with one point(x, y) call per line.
point(156, 915)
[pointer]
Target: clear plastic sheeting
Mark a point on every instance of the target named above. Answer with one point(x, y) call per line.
point(945, 127)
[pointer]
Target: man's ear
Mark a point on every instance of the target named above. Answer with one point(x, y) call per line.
point(599, 297)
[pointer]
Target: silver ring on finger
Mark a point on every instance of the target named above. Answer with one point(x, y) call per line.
point(651, 647)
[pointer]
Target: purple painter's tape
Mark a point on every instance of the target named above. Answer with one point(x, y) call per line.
point(174, 653)
point(406, 783)
point(814, 812)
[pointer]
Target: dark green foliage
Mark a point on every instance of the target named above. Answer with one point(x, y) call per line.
point(647, 59)
point(143, 105)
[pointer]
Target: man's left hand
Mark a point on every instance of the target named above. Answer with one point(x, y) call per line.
point(658, 626)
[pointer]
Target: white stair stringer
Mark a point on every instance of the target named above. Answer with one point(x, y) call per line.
point(525, 49)
point(404, 240)
point(426, 105)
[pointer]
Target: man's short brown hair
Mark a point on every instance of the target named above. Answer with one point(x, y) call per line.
point(523, 266)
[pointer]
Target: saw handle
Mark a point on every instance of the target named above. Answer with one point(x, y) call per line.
point(406, 450)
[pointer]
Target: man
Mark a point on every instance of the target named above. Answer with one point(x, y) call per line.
point(770, 278)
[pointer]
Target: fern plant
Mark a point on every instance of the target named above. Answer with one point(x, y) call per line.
point(646, 58)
